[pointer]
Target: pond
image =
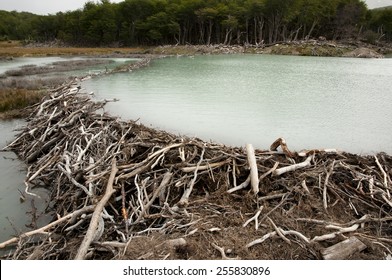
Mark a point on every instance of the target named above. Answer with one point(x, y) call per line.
point(312, 102)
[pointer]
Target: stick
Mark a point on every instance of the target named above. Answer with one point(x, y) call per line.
point(269, 171)
point(90, 234)
point(305, 186)
point(278, 231)
point(293, 167)
point(296, 233)
point(222, 251)
point(164, 182)
point(53, 224)
point(241, 186)
point(385, 176)
point(254, 218)
point(325, 186)
point(254, 180)
point(334, 234)
point(262, 239)
point(184, 199)
point(204, 167)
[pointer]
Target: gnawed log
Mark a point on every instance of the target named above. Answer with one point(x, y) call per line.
point(343, 250)
point(282, 143)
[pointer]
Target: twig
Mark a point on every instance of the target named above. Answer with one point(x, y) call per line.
point(184, 199)
point(222, 251)
point(254, 218)
point(241, 186)
point(204, 167)
point(384, 175)
point(278, 231)
point(164, 182)
point(325, 203)
point(296, 233)
point(293, 167)
point(269, 171)
point(261, 240)
point(334, 234)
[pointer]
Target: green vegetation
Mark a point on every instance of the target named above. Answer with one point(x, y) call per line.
point(159, 22)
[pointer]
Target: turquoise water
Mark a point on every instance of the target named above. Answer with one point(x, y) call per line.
point(313, 102)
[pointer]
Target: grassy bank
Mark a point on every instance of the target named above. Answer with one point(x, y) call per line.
point(13, 100)
point(16, 49)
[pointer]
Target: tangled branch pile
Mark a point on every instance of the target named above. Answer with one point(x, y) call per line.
point(122, 190)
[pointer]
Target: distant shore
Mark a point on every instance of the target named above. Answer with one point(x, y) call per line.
point(9, 50)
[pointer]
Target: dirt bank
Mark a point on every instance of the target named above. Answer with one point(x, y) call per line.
point(306, 48)
point(300, 48)
point(120, 190)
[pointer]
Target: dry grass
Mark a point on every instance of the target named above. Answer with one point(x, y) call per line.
point(13, 99)
point(16, 49)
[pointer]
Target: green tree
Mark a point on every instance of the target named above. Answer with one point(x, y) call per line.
point(98, 23)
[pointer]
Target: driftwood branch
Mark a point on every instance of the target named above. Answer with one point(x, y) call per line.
point(91, 232)
point(293, 167)
point(254, 179)
point(43, 229)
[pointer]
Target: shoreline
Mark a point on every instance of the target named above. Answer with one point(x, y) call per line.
point(300, 48)
point(160, 193)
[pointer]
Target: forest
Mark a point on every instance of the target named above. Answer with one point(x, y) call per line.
point(159, 22)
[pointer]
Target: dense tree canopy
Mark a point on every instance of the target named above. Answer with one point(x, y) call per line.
point(152, 22)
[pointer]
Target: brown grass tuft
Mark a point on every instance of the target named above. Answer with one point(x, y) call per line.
point(12, 99)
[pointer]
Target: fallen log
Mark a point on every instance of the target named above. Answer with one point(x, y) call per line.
point(344, 249)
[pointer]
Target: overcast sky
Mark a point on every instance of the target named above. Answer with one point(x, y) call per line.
point(44, 7)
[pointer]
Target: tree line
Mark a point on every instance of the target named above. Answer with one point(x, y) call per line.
point(157, 22)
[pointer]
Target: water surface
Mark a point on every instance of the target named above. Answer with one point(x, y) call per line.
point(313, 102)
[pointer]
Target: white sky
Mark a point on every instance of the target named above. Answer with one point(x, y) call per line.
point(44, 7)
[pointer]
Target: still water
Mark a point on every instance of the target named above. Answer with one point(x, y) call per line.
point(313, 102)
point(15, 214)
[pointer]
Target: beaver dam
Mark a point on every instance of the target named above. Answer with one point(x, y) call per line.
point(120, 190)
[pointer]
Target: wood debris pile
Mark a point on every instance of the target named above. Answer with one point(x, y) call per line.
point(122, 190)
